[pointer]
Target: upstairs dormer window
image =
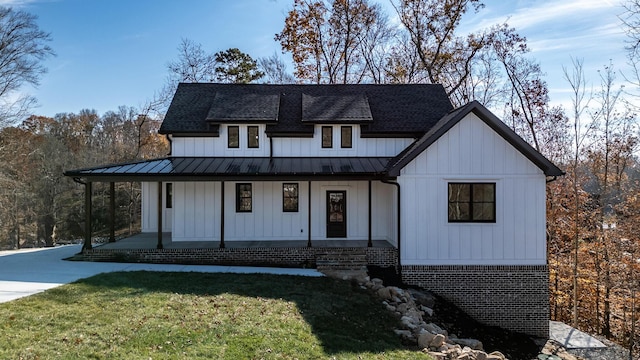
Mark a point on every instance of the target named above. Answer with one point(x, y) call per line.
point(327, 137)
point(233, 137)
point(253, 137)
point(345, 137)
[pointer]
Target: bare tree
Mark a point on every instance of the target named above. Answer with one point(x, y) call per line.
point(23, 47)
point(580, 102)
point(403, 65)
point(275, 70)
point(631, 21)
point(193, 64)
point(325, 39)
point(444, 55)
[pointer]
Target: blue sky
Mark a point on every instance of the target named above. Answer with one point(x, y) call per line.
point(115, 52)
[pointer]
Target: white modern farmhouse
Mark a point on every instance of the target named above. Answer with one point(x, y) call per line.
point(321, 175)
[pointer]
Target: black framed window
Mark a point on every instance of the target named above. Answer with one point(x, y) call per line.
point(233, 137)
point(290, 197)
point(327, 137)
point(253, 139)
point(168, 197)
point(345, 137)
point(472, 202)
point(243, 197)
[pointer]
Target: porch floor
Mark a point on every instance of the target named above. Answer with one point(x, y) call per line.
point(150, 241)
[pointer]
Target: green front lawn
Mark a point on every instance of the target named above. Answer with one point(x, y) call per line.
point(149, 315)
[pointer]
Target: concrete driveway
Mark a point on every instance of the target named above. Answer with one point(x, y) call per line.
point(29, 271)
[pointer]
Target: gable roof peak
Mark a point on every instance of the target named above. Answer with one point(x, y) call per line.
point(455, 116)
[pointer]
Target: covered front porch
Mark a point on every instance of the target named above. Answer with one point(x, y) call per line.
point(324, 254)
point(342, 214)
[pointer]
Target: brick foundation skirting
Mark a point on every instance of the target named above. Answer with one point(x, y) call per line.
point(287, 257)
point(511, 297)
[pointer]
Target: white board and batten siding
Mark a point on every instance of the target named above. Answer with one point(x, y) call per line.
point(472, 152)
point(150, 208)
point(217, 146)
point(197, 211)
point(289, 146)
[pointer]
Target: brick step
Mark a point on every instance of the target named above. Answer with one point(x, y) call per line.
point(361, 257)
point(342, 260)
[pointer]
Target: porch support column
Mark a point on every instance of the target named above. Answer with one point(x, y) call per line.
point(112, 212)
point(222, 214)
point(309, 213)
point(159, 246)
point(370, 243)
point(87, 216)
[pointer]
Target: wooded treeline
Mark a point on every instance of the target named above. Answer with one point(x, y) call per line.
point(593, 211)
point(39, 206)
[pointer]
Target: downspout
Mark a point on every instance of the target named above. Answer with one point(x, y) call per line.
point(554, 178)
point(398, 220)
point(309, 213)
point(270, 147)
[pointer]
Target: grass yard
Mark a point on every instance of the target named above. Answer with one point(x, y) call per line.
point(153, 315)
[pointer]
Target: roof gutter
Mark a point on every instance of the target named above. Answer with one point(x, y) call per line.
point(397, 185)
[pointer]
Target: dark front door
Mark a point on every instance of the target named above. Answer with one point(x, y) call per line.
point(336, 214)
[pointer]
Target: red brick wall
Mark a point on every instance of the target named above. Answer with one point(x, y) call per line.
point(511, 297)
point(291, 257)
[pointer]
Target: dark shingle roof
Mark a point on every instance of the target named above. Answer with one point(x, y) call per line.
point(346, 108)
point(407, 109)
point(234, 106)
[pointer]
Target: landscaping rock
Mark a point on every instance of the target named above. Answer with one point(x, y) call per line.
point(434, 329)
point(553, 350)
point(437, 355)
point(424, 339)
point(426, 310)
point(414, 314)
point(411, 305)
point(437, 341)
point(402, 308)
point(384, 293)
point(409, 323)
point(471, 343)
point(423, 298)
point(405, 335)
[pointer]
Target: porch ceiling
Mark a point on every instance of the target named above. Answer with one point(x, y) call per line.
point(244, 168)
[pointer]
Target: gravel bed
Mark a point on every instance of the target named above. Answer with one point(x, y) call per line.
point(613, 351)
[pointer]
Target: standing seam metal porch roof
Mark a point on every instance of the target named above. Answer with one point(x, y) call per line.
point(242, 168)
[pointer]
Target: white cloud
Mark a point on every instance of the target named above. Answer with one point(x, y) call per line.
point(551, 11)
point(598, 38)
point(16, 3)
